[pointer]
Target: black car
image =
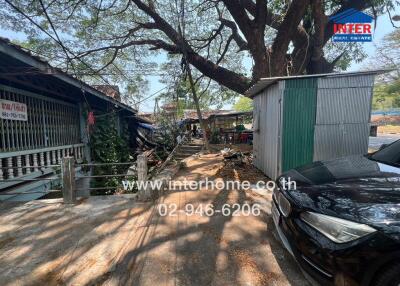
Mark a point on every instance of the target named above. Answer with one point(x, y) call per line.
point(341, 221)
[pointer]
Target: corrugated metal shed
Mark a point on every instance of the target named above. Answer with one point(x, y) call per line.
point(308, 118)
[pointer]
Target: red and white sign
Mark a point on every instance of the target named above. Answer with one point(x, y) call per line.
point(13, 110)
point(352, 28)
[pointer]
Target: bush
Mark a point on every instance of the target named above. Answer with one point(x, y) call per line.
point(108, 147)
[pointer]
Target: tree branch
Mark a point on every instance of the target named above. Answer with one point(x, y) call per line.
point(285, 33)
point(271, 19)
point(225, 50)
point(260, 18)
point(157, 44)
point(220, 74)
point(208, 40)
point(317, 45)
point(242, 44)
point(241, 18)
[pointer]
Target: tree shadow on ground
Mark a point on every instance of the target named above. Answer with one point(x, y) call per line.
point(131, 244)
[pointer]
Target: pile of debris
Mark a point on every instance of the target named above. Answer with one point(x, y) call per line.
point(237, 166)
point(236, 158)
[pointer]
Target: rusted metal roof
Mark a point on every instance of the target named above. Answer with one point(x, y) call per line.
point(109, 90)
point(192, 114)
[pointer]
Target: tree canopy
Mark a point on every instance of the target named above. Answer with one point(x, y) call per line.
point(387, 90)
point(123, 37)
point(243, 104)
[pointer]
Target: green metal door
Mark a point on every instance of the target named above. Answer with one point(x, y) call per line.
point(299, 111)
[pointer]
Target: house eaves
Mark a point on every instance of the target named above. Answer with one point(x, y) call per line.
point(21, 55)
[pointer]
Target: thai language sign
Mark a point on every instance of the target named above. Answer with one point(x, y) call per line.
point(13, 110)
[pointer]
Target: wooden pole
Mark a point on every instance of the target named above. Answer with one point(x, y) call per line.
point(197, 104)
point(144, 193)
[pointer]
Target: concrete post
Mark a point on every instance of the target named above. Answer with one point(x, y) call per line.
point(144, 194)
point(1, 169)
point(27, 164)
point(68, 180)
point(10, 168)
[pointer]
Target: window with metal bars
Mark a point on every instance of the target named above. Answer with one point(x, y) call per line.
point(50, 122)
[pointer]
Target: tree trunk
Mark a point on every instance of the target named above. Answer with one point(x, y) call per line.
point(261, 59)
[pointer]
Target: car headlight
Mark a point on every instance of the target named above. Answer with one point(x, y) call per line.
point(282, 203)
point(336, 229)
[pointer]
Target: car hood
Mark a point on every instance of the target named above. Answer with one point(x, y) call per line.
point(354, 188)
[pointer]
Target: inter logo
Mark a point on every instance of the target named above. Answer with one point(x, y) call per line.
point(352, 26)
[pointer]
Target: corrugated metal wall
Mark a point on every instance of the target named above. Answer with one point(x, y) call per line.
point(321, 119)
point(299, 105)
point(256, 130)
point(266, 142)
point(343, 105)
point(343, 116)
point(344, 81)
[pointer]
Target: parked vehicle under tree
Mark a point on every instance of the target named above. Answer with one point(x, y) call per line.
point(342, 222)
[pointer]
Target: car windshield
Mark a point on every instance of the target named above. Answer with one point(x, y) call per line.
point(389, 155)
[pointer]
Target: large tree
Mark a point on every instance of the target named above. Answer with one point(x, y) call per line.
point(387, 56)
point(280, 37)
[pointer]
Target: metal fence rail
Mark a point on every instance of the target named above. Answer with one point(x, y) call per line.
point(66, 172)
point(30, 192)
point(106, 164)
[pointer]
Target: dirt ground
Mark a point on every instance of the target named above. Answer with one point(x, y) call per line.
point(117, 241)
point(232, 250)
point(389, 129)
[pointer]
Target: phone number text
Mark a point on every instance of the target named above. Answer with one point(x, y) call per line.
point(210, 210)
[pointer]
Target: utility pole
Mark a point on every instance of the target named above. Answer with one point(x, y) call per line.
point(197, 104)
point(181, 29)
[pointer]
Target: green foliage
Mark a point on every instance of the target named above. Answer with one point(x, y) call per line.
point(388, 56)
point(215, 138)
point(181, 93)
point(211, 94)
point(386, 96)
point(108, 147)
point(393, 88)
point(243, 104)
point(167, 131)
point(135, 89)
point(387, 91)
